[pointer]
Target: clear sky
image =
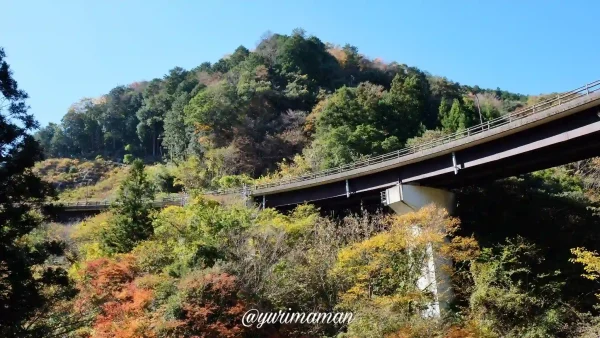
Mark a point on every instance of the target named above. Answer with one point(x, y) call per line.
point(61, 51)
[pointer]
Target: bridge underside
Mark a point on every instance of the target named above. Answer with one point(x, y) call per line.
point(73, 216)
point(571, 138)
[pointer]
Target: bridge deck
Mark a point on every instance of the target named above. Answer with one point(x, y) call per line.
point(481, 135)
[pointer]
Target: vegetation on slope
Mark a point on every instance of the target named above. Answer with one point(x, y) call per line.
point(293, 94)
point(194, 270)
point(67, 173)
point(99, 180)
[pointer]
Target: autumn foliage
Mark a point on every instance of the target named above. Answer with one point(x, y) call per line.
point(211, 306)
point(109, 285)
point(208, 306)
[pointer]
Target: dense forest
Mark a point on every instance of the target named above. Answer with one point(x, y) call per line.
point(522, 250)
point(293, 94)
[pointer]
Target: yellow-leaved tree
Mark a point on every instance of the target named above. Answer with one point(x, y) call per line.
point(590, 261)
point(379, 276)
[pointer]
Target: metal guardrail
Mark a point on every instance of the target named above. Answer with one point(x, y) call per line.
point(107, 203)
point(482, 127)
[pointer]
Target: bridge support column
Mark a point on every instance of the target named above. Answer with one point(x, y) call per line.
point(408, 198)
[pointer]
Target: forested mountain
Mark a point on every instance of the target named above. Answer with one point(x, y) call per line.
point(292, 94)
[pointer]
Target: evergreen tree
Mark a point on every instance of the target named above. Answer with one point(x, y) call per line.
point(177, 134)
point(132, 221)
point(460, 116)
point(22, 298)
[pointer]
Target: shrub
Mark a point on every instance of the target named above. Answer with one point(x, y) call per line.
point(128, 159)
point(510, 300)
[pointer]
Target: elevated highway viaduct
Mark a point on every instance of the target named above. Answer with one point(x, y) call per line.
point(558, 131)
point(554, 132)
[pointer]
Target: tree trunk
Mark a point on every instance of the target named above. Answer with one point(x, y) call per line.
point(154, 142)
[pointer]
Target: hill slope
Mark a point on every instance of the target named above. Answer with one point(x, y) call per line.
point(292, 95)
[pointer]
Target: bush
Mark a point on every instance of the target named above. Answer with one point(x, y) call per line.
point(164, 180)
point(128, 159)
point(510, 300)
point(209, 306)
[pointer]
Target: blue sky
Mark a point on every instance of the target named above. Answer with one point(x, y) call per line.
point(61, 51)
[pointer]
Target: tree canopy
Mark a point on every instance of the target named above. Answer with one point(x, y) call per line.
point(293, 94)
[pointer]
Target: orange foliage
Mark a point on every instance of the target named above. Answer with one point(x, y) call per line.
point(110, 285)
point(212, 307)
point(378, 63)
point(459, 332)
point(202, 127)
point(138, 86)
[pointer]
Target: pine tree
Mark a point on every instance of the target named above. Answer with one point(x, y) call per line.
point(132, 220)
point(23, 302)
point(454, 119)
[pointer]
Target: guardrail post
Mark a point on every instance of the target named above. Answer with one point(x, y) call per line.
point(587, 89)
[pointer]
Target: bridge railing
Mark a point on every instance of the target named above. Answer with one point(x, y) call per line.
point(107, 203)
point(474, 130)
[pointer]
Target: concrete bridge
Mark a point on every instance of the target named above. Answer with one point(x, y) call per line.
point(554, 132)
point(78, 210)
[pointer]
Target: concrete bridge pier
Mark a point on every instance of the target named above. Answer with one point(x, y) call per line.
point(405, 198)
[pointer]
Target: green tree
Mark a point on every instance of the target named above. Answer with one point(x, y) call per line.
point(22, 296)
point(214, 109)
point(452, 119)
point(368, 120)
point(511, 300)
point(157, 102)
point(240, 54)
point(408, 100)
point(177, 134)
point(74, 129)
point(132, 221)
point(44, 137)
point(461, 115)
point(119, 120)
point(441, 90)
point(306, 56)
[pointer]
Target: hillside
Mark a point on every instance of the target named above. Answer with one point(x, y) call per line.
point(98, 180)
point(66, 173)
point(291, 95)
